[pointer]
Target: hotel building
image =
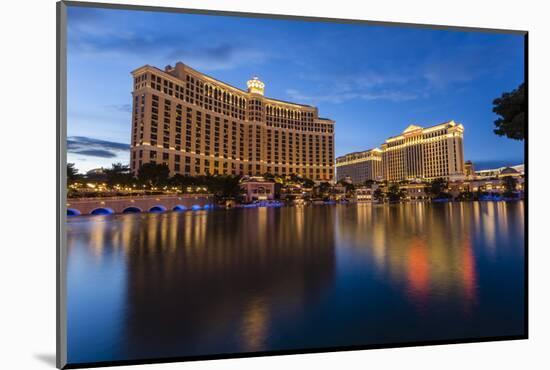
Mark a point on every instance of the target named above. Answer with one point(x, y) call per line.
point(198, 125)
point(425, 153)
point(418, 153)
point(360, 166)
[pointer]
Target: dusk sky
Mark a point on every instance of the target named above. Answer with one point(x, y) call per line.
point(372, 80)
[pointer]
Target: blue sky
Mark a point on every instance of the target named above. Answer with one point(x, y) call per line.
point(372, 80)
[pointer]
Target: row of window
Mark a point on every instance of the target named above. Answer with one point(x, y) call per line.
point(201, 136)
point(216, 99)
point(198, 166)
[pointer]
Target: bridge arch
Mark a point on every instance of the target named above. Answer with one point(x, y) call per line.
point(196, 207)
point(132, 209)
point(179, 208)
point(73, 212)
point(157, 209)
point(102, 211)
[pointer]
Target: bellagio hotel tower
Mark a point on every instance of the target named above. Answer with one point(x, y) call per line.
point(198, 125)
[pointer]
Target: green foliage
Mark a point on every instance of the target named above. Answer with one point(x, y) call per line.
point(369, 183)
point(378, 195)
point(72, 173)
point(308, 183)
point(395, 193)
point(225, 186)
point(512, 108)
point(222, 186)
point(348, 185)
point(437, 187)
point(154, 174)
point(182, 182)
point(119, 174)
point(509, 183)
point(268, 176)
point(324, 188)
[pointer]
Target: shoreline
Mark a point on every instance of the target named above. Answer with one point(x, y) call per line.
point(280, 204)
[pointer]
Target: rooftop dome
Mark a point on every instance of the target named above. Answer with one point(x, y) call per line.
point(255, 85)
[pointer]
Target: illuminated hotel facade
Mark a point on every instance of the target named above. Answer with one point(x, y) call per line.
point(198, 125)
point(360, 166)
point(416, 154)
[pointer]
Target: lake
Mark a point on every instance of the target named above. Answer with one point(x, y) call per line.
point(246, 280)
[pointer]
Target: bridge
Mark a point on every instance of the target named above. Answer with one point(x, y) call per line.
point(137, 204)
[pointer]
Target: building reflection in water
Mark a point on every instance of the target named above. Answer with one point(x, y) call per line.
point(428, 247)
point(246, 280)
point(418, 269)
point(217, 280)
point(255, 325)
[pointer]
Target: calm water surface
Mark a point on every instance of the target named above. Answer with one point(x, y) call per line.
point(245, 280)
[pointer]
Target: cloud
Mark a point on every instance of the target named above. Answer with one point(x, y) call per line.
point(91, 147)
point(342, 95)
point(426, 76)
point(96, 153)
point(84, 15)
point(93, 36)
point(370, 85)
point(169, 48)
point(125, 108)
point(443, 75)
point(220, 57)
point(463, 63)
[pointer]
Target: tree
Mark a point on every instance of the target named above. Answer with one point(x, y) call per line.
point(119, 174)
point(223, 187)
point(510, 184)
point(348, 185)
point(324, 188)
point(308, 183)
point(181, 181)
point(378, 195)
point(268, 176)
point(230, 187)
point(512, 108)
point(395, 193)
point(153, 174)
point(369, 183)
point(294, 178)
point(437, 187)
point(72, 173)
